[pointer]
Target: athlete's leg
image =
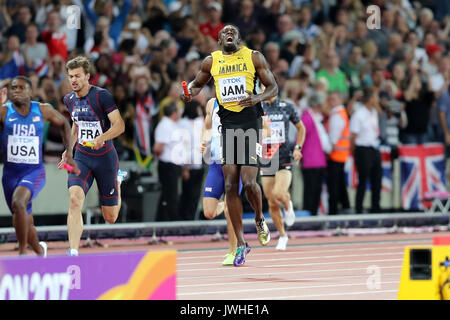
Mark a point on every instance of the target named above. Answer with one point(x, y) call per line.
point(19, 202)
point(233, 201)
point(33, 240)
point(210, 207)
point(268, 184)
point(280, 191)
point(75, 218)
point(252, 189)
point(111, 213)
point(230, 231)
point(108, 184)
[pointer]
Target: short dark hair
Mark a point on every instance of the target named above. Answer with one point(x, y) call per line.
point(79, 62)
point(27, 80)
point(367, 93)
point(170, 109)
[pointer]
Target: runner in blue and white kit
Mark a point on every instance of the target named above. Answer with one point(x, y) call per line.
point(22, 130)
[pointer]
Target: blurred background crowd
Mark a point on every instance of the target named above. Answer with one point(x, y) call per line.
point(142, 50)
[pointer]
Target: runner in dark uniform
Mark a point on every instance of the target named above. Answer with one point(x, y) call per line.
point(276, 163)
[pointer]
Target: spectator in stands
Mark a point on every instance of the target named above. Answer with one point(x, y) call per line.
point(247, 18)
point(57, 70)
point(359, 35)
point(5, 19)
point(257, 39)
point(167, 148)
point(35, 53)
point(20, 24)
point(380, 36)
point(102, 75)
point(339, 133)
point(133, 30)
point(425, 18)
point(420, 54)
point(285, 24)
point(192, 172)
point(102, 27)
point(352, 69)
point(214, 24)
point(308, 29)
point(272, 54)
point(418, 99)
point(316, 145)
point(297, 91)
point(12, 61)
point(173, 96)
point(393, 117)
point(365, 141)
point(145, 113)
point(53, 36)
point(434, 54)
point(336, 78)
point(156, 14)
point(106, 9)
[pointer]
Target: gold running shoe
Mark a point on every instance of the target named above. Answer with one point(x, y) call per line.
point(263, 232)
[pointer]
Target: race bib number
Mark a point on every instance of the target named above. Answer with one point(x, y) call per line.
point(88, 131)
point(23, 149)
point(277, 133)
point(232, 89)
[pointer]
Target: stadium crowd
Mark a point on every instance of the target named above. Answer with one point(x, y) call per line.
point(323, 54)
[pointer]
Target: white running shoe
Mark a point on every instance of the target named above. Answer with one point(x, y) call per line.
point(289, 215)
point(282, 242)
point(43, 245)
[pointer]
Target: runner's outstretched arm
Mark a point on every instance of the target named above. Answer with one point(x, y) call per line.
point(201, 79)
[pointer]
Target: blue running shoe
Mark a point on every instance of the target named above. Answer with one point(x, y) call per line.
point(241, 252)
point(121, 176)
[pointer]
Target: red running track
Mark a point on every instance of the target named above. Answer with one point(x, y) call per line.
point(318, 268)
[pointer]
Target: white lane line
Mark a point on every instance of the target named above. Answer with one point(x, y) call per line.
point(275, 273)
point(326, 295)
point(278, 253)
point(293, 265)
point(303, 258)
point(278, 280)
point(405, 242)
point(253, 290)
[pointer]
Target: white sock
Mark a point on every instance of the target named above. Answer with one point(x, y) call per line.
point(73, 252)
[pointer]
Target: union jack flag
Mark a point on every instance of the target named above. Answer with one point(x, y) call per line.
point(422, 169)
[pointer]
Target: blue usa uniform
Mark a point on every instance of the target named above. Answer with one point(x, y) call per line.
point(21, 142)
point(90, 115)
point(215, 183)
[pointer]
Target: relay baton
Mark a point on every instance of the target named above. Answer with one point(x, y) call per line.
point(88, 144)
point(185, 88)
point(68, 167)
